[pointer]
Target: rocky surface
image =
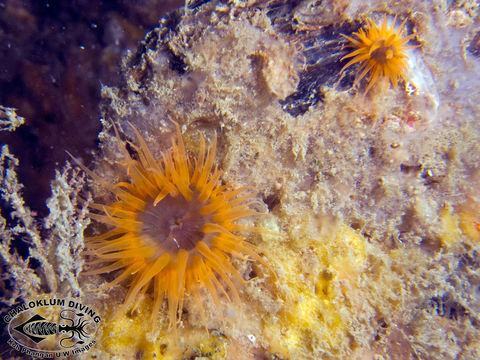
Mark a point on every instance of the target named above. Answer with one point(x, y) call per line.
point(374, 198)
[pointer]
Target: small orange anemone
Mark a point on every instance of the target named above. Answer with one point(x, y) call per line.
point(381, 50)
point(173, 228)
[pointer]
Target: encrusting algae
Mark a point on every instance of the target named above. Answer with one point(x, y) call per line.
point(173, 227)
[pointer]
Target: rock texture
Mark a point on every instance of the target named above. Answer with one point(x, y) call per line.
point(372, 199)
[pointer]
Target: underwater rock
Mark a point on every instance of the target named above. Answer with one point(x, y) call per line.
point(355, 184)
point(371, 240)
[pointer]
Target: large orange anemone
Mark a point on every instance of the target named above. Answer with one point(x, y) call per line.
point(381, 52)
point(173, 228)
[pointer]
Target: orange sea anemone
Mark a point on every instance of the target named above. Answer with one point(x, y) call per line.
point(173, 228)
point(381, 50)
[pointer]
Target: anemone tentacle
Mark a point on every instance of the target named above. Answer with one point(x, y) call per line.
point(381, 52)
point(173, 228)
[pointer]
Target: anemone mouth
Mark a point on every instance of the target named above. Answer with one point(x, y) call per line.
point(174, 223)
point(383, 53)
